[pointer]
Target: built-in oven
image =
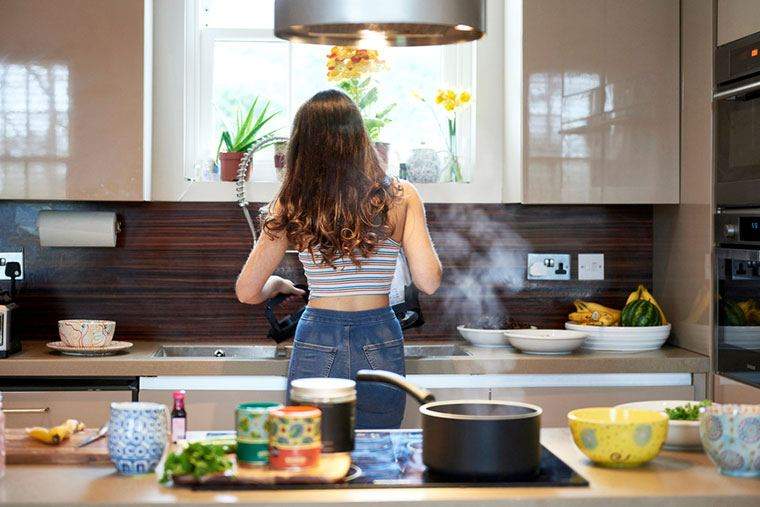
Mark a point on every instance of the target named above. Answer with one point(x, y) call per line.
point(737, 279)
point(737, 122)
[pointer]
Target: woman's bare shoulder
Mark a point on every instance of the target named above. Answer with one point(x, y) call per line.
point(406, 191)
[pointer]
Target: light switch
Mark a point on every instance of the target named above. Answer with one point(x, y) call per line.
point(590, 266)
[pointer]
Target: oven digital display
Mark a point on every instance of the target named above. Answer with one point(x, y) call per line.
point(749, 229)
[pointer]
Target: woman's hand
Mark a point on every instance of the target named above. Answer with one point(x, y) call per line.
point(285, 286)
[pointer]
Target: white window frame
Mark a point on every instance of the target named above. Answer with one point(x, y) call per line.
point(485, 119)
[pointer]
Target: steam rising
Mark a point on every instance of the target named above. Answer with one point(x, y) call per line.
point(483, 262)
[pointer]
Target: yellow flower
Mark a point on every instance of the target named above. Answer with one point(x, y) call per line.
point(464, 97)
point(451, 95)
point(450, 105)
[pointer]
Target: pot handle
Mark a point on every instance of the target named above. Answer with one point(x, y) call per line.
point(421, 395)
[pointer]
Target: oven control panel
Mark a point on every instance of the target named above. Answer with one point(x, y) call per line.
point(738, 228)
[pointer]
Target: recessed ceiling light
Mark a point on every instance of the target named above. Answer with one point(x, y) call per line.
point(463, 28)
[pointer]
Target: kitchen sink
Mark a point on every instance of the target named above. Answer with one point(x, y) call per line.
point(263, 352)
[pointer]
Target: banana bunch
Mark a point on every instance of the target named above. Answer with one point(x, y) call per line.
point(57, 434)
point(642, 293)
point(594, 314)
point(751, 311)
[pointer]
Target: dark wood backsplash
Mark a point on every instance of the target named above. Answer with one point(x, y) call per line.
point(171, 275)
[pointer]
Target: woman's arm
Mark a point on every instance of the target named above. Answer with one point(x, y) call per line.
point(423, 261)
point(255, 283)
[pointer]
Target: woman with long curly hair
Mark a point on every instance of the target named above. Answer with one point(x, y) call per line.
point(348, 221)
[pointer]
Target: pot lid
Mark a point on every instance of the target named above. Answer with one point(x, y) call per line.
point(322, 388)
point(373, 23)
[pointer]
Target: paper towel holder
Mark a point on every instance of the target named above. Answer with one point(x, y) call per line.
point(78, 228)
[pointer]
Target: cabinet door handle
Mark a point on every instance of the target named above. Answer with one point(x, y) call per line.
point(26, 410)
point(733, 93)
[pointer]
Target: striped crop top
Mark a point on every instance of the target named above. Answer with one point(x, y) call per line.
point(373, 276)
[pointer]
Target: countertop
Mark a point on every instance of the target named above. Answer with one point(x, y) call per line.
point(37, 360)
point(673, 478)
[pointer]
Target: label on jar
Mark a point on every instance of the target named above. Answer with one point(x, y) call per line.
point(338, 423)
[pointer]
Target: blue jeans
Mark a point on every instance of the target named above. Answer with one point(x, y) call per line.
point(337, 344)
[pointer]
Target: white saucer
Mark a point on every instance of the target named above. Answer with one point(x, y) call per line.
point(110, 349)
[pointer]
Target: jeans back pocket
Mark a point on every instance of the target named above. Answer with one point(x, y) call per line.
point(382, 405)
point(311, 360)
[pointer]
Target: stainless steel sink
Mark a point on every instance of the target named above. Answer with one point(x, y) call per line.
point(264, 352)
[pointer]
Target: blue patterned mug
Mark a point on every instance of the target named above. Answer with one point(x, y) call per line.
point(137, 436)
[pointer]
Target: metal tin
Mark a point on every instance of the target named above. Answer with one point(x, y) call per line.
point(251, 432)
point(336, 398)
point(295, 439)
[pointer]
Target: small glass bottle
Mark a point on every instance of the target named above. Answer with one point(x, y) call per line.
point(179, 417)
point(2, 438)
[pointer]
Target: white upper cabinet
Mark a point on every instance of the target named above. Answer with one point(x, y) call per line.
point(598, 100)
point(737, 19)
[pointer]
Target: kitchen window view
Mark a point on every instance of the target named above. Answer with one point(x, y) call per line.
point(415, 101)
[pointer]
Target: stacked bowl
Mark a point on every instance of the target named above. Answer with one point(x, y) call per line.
point(83, 337)
point(622, 339)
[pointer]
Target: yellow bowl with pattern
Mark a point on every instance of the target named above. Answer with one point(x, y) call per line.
point(618, 437)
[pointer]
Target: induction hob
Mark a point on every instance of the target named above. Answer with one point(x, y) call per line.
point(393, 458)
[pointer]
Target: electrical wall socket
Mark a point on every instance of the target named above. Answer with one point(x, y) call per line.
point(5, 258)
point(549, 266)
point(590, 266)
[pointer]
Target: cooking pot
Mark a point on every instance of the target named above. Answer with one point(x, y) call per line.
point(484, 439)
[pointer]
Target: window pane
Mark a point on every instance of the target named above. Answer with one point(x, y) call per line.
point(237, 14)
point(242, 71)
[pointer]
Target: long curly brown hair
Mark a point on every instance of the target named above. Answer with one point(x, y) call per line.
point(335, 197)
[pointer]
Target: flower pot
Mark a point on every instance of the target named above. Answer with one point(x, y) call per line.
point(382, 153)
point(230, 163)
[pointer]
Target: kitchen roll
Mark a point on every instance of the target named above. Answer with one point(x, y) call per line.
point(77, 228)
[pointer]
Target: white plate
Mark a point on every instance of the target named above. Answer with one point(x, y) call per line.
point(490, 338)
point(622, 339)
point(113, 347)
point(682, 435)
point(745, 337)
point(545, 341)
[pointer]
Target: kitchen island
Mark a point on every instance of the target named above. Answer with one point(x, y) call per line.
point(674, 478)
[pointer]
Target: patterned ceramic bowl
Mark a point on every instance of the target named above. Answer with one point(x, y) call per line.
point(731, 437)
point(617, 437)
point(86, 333)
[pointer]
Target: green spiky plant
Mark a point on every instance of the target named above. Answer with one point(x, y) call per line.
point(248, 129)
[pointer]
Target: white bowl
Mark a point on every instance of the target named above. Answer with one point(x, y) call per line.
point(622, 339)
point(682, 435)
point(84, 333)
point(491, 338)
point(545, 341)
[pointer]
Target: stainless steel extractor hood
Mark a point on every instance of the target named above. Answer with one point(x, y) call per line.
point(372, 23)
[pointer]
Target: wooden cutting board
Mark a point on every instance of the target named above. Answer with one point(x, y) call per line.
point(21, 449)
point(332, 468)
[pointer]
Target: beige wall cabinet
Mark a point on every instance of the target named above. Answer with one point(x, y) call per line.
point(72, 100)
point(50, 408)
point(597, 93)
point(737, 19)
point(683, 235)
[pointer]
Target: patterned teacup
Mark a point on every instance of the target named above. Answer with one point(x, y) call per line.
point(84, 333)
point(731, 437)
point(251, 432)
point(137, 436)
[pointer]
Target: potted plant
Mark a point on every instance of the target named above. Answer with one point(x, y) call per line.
point(353, 69)
point(246, 132)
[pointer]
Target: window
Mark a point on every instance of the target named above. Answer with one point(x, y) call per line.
point(236, 58)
